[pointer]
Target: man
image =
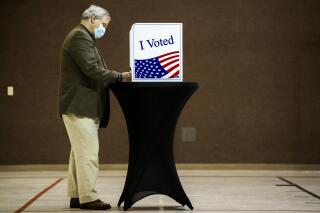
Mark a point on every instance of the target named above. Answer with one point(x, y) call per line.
point(83, 94)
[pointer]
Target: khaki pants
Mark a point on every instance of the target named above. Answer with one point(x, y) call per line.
point(84, 160)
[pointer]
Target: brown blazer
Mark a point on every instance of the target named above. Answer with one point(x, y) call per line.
point(84, 77)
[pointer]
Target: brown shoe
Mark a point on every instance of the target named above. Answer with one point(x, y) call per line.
point(74, 203)
point(95, 205)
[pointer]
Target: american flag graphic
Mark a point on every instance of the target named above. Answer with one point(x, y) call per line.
point(163, 66)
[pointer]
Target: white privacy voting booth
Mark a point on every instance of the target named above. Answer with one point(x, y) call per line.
point(156, 53)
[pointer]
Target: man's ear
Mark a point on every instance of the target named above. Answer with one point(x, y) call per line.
point(93, 19)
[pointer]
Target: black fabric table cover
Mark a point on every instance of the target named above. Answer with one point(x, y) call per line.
point(151, 110)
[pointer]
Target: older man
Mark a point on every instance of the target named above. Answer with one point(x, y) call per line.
point(84, 78)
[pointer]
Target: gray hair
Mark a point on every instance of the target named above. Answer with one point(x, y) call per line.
point(96, 11)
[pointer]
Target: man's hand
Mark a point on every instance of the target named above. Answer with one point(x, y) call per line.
point(126, 76)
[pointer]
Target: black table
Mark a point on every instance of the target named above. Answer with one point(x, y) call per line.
point(151, 110)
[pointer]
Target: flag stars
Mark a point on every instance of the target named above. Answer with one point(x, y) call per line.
point(149, 68)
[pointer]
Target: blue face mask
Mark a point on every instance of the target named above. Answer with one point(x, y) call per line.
point(99, 31)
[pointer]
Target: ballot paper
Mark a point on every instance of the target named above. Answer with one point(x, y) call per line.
point(156, 52)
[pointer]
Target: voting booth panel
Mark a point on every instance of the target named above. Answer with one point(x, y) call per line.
point(156, 53)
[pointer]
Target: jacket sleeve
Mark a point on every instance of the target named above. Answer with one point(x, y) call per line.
point(82, 51)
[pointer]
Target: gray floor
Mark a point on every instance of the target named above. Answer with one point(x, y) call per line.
point(209, 191)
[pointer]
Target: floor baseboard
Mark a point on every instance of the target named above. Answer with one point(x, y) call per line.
point(180, 166)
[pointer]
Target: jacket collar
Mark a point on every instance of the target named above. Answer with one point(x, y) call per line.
point(91, 34)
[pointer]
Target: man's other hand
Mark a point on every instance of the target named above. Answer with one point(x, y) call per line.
point(126, 76)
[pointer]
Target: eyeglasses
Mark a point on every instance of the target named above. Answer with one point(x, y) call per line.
point(105, 24)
